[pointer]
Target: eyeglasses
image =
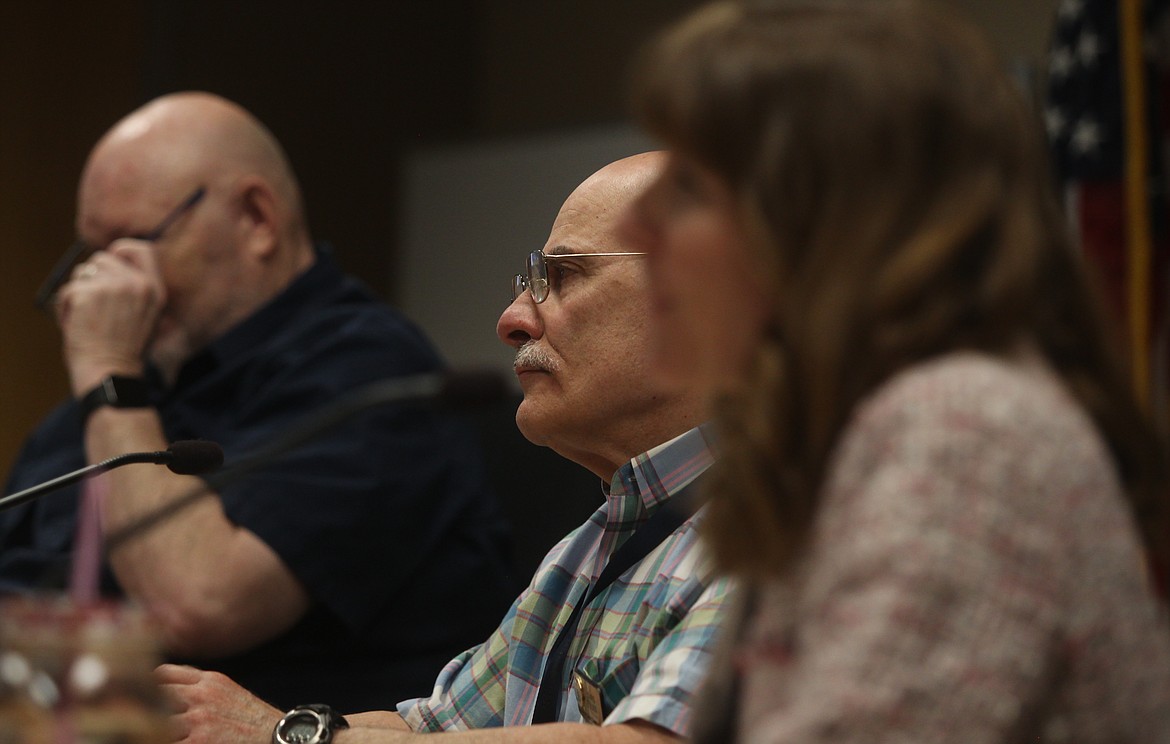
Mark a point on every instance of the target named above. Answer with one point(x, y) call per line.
point(80, 249)
point(536, 281)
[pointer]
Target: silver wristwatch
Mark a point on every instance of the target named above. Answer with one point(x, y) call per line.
point(308, 724)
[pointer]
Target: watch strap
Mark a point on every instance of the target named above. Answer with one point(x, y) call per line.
point(118, 391)
point(329, 718)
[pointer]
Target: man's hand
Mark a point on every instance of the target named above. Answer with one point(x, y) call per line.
point(107, 312)
point(212, 709)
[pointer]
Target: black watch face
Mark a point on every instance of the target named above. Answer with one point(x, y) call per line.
point(300, 729)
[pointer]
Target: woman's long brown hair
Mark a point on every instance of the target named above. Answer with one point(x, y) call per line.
point(896, 186)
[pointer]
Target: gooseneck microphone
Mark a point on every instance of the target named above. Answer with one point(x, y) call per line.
point(456, 390)
point(185, 457)
point(194, 457)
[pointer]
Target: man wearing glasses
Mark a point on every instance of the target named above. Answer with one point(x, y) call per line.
point(617, 626)
point(195, 306)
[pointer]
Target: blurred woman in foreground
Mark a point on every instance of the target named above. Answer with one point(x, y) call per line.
point(933, 473)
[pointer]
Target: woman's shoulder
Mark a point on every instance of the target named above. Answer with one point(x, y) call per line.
point(971, 405)
point(1017, 390)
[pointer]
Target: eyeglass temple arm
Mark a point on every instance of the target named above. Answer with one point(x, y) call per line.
point(59, 274)
point(175, 214)
point(555, 256)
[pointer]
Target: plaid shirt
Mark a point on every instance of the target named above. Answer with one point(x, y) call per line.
point(646, 640)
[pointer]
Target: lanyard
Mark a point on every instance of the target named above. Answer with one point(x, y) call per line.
point(661, 525)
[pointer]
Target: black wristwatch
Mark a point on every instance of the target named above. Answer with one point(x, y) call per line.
point(116, 391)
point(308, 724)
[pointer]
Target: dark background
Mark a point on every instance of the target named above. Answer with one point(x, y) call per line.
point(350, 87)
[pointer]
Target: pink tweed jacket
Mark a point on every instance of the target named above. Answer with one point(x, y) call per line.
point(974, 577)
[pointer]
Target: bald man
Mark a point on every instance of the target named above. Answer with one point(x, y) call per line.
point(579, 323)
point(355, 566)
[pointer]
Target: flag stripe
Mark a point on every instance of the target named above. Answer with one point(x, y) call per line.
point(1138, 239)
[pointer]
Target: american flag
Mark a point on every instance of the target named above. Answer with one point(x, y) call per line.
point(1085, 116)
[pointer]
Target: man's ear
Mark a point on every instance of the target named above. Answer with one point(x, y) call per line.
point(259, 217)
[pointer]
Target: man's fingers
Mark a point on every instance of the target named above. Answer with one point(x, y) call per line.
point(177, 674)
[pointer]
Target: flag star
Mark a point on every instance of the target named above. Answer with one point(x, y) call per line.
point(1070, 9)
point(1088, 47)
point(1055, 122)
point(1086, 137)
point(1060, 64)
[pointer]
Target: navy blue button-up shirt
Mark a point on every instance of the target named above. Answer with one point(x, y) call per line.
point(385, 519)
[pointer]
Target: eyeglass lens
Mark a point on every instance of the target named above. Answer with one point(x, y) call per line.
point(536, 279)
point(538, 276)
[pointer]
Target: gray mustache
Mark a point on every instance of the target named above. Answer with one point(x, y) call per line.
point(531, 355)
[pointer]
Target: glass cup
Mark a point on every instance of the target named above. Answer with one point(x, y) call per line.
point(78, 674)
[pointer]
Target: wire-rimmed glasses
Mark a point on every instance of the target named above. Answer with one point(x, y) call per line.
point(536, 280)
point(80, 249)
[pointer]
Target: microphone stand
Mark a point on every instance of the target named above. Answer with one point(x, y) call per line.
point(28, 494)
point(459, 390)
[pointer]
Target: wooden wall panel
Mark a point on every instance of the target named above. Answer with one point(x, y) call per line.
point(67, 71)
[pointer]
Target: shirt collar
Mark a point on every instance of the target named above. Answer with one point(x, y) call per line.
point(647, 481)
point(250, 333)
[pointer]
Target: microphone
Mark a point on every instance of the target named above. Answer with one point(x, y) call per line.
point(185, 457)
point(193, 457)
point(454, 391)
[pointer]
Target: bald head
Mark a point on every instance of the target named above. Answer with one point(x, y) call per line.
point(591, 214)
point(602, 197)
point(191, 138)
point(630, 174)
